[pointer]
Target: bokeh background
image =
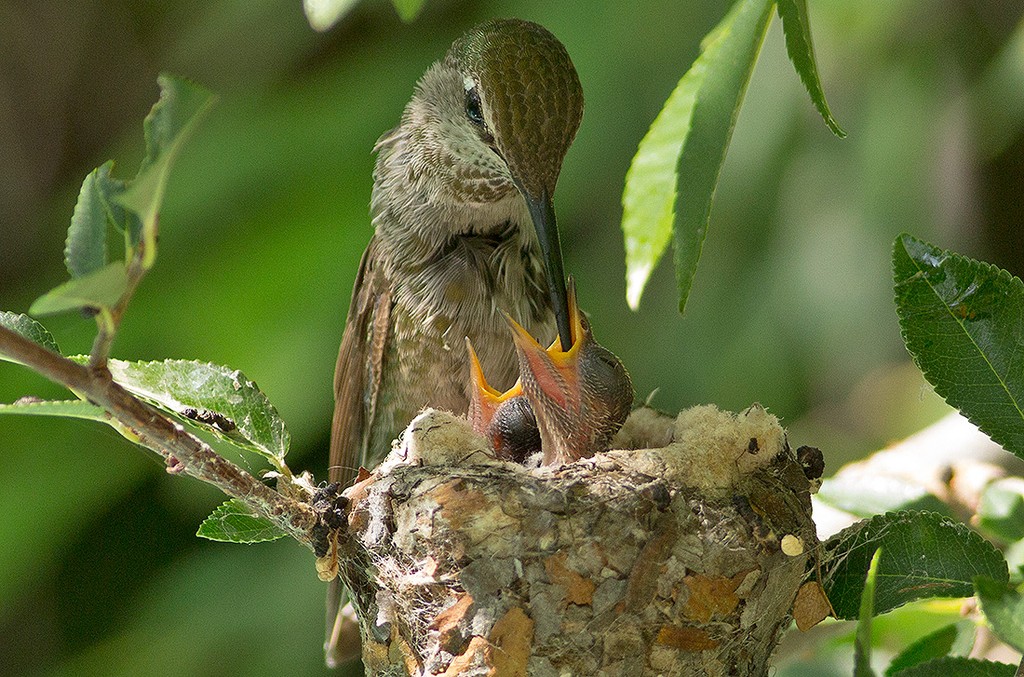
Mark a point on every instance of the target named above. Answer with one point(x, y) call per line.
point(266, 217)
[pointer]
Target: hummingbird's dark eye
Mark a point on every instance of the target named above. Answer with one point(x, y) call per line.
point(473, 110)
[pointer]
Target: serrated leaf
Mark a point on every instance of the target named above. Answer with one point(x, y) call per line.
point(86, 247)
point(956, 639)
point(101, 288)
point(671, 181)
point(926, 555)
point(322, 14)
point(181, 105)
point(1001, 509)
point(25, 326)
point(209, 396)
point(797, 27)
point(963, 323)
point(408, 10)
point(28, 406)
point(862, 640)
point(959, 667)
point(1004, 609)
point(232, 522)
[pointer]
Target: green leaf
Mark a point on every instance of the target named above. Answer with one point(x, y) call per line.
point(956, 639)
point(232, 522)
point(959, 667)
point(963, 322)
point(86, 248)
point(100, 289)
point(862, 640)
point(322, 14)
point(408, 9)
point(1001, 511)
point(797, 27)
point(926, 555)
point(1004, 609)
point(24, 325)
point(682, 154)
point(209, 396)
point(31, 406)
point(182, 104)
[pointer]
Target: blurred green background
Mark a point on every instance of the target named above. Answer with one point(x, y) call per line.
point(266, 217)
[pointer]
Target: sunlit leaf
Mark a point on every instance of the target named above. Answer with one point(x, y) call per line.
point(232, 522)
point(865, 496)
point(1001, 509)
point(862, 640)
point(963, 322)
point(28, 406)
point(797, 27)
point(408, 9)
point(24, 325)
point(102, 288)
point(926, 555)
point(1004, 609)
point(671, 181)
point(956, 639)
point(182, 104)
point(322, 14)
point(958, 666)
point(210, 396)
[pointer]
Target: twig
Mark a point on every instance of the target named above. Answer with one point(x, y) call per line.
point(182, 451)
point(108, 321)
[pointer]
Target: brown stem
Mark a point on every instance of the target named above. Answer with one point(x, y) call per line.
point(182, 451)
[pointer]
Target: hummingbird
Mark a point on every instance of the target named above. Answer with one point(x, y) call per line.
point(464, 232)
point(567, 403)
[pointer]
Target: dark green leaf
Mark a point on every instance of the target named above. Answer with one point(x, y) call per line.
point(963, 322)
point(866, 496)
point(956, 639)
point(1004, 609)
point(862, 640)
point(182, 104)
point(959, 667)
point(210, 396)
point(67, 408)
point(797, 27)
point(408, 9)
point(86, 248)
point(24, 325)
point(682, 154)
point(102, 288)
point(322, 14)
point(1001, 511)
point(232, 522)
point(926, 555)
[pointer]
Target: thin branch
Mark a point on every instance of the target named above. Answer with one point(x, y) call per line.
point(182, 451)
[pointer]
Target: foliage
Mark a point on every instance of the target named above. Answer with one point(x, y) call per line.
point(789, 240)
point(672, 179)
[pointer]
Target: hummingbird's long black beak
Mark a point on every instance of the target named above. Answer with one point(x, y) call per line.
point(542, 211)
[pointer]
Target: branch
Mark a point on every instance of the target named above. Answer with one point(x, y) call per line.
point(183, 452)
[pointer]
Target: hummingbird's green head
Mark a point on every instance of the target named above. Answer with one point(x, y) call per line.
point(523, 96)
point(494, 118)
point(524, 99)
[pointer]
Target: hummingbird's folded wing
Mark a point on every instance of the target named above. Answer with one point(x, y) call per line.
point(357, 376)
point(357, 379)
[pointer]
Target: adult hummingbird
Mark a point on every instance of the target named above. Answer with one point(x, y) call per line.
point(464, 231)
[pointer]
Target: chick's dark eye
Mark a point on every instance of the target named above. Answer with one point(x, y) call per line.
point(473, 110)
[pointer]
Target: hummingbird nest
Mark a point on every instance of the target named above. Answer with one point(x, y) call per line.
point(678, 553)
